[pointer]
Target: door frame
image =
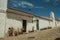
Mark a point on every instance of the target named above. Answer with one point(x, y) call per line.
point(37, 24)
point(24, 25)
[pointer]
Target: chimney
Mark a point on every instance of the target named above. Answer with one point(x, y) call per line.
point(52, 15)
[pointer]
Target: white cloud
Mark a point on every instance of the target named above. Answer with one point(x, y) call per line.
point(25, 4)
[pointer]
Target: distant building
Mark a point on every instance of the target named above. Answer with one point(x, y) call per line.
point(14, 18)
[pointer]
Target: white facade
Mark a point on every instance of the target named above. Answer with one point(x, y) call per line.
point(15, 21)
point(2, 24)
point(3, 5)
point(43, 23)
point(58, 23)
point(3, 8)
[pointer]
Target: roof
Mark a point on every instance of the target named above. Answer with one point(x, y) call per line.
point(10, 10)
point(46, 18)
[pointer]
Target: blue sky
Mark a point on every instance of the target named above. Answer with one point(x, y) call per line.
point(37, 7)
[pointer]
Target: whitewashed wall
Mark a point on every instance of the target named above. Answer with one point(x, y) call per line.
point(12, 21)
point(2, 24)
point(52, 24)
point(58, 23)
point(15, 20)
point(34, 22)
point(43, 23)
point(34, 25)
point(3, 4)
point(3, 7)
point(29, 27)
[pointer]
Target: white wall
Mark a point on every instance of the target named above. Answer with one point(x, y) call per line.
point(34, 25)
point(34, 22)
point(52, 24)
point(15, 20)
point(29, 27)
point(2, 24)
point(43, 23)
point(3, 4)
point(3, 7)
point(58, 23)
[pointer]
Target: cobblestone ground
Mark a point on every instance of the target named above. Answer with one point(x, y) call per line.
point(49, 34)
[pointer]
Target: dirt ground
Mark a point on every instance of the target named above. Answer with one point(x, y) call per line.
point(49, 34)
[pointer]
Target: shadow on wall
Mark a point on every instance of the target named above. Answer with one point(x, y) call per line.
point(19, 17)
point(13, 16)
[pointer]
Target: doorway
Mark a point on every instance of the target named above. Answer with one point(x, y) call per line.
point(24, 25)
point(37, 25)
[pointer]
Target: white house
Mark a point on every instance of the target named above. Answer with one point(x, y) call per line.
point(10, 17)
